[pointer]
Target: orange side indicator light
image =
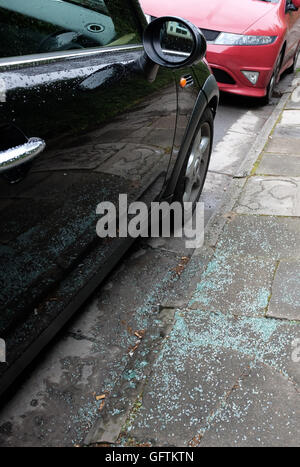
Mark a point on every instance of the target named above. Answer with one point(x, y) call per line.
point(183, 82)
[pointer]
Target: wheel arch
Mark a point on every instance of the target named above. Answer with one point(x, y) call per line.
point(208, 97)
point(282, 52)
point(213, 105)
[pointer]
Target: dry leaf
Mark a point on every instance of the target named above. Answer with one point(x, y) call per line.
point(99, 398)
point(230, 216)
point(101, 405)
point(140, 334)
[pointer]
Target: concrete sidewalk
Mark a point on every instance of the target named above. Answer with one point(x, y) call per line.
point(228, 371)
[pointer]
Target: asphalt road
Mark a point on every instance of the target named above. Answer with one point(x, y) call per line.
point(56, 403)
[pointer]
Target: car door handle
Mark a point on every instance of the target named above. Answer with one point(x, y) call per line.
point(18, 155)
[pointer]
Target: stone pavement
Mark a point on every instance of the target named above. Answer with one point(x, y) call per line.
point(228, 371)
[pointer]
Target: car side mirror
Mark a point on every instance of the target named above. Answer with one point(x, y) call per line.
point(173, 42)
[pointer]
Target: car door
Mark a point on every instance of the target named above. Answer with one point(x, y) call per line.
point(70, 77)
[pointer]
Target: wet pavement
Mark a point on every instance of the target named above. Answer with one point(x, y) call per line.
point(228, 373)
point(176, 343)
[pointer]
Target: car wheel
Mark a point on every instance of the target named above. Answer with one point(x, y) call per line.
point(193, 173)
point(292, 68)
point(273, 80)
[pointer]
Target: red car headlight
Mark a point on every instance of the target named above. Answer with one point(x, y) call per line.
point(226, 38)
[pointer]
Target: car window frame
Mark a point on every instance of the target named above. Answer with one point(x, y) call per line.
point(47, 57)
point(51, 57)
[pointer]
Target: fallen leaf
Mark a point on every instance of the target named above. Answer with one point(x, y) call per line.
point(230, 216)
point(99, 398)
point(140, 334)
point(101, 405)
point(196, 440)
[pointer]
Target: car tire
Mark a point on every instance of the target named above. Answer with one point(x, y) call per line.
point(273, 80)
point(194, 170)
point(292, 68)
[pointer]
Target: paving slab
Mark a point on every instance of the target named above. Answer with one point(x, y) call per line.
point(175, 404)
point(285, 131)
point(235, 284)
point(203, 362)
point(294, 102)
point(279, 196)
point(290, 117)
point(285, 300)
point(278, 164)
point(285, 144)
point(263, 410)
point(264, 236)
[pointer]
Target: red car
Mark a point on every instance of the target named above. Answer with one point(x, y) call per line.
point(249, 42)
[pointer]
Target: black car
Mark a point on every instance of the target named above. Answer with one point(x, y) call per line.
point(93, 103)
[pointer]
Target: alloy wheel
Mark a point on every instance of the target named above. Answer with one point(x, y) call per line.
point(197, 164)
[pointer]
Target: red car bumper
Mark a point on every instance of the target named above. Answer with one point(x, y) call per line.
point(227, 63)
